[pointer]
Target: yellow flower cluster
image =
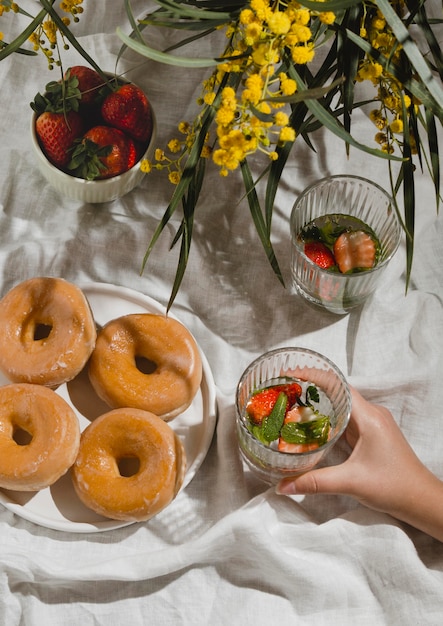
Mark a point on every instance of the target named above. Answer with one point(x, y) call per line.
point(268, 35)
point(388, 117)
point(175, 146)
point(45, 38)
point(5, 7)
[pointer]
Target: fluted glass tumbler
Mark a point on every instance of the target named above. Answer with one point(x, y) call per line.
point(266, 461)
point(351, 196)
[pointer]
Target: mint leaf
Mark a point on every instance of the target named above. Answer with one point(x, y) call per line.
point(314, 431)
point(274, 422)
point(312, 394)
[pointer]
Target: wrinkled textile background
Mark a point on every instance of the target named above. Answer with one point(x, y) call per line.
point(228, 550)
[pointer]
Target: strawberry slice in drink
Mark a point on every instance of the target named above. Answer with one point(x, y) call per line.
point(319, 254)
point(261, 404)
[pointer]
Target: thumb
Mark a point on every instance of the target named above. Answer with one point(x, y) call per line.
point(333, 479)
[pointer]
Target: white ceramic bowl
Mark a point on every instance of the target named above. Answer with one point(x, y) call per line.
point(92, 191)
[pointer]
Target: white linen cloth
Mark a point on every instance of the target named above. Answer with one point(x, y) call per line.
point(228, 550)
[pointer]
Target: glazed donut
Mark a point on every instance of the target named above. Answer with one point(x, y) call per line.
point(48, 332)
point(130, 465)
point(146, 361)
point(39, 437)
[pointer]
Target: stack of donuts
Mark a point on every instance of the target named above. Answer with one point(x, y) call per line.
point(127, 464)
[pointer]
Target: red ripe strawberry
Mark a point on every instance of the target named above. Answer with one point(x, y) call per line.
point(261, 404)
point(58, 122)
point(319, 254)
point(103, 152)
point(89, 82)
point(128, 109)
point(56, 133)
point(292, 390)
point(354, 249)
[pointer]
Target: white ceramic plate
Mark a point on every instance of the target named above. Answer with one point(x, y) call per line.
point(58, 506)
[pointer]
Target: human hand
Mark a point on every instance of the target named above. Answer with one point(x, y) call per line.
point(382, 472)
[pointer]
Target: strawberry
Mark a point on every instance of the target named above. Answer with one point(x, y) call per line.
point(102, 152)
point(293, 391)
point(261, 404)
point(58, 123)
point(56, 133)
point(89, 82)
point(319, 254)
point(354, 250)
point(128, 109)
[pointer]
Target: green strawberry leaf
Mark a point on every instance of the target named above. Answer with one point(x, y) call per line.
point(85, 160)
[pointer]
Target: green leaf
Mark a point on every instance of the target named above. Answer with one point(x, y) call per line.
point(67, 33)
point(15, 45)
point(416, 87)
point(259, 222)
point(333, 5)
point(422, 21)
point(412, 51)
point(312, 93)
point(314, 431)
point(162, 57)
point(348, 59)
point(189, 203)
point(332, 124)
point(407, 170)
point(181, 10)
point(312, 394)
point(274, 422)
point(434, 154)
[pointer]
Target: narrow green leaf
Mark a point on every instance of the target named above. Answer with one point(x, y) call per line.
point(189, 204)
point(275, 173)
point(407, 169)
point(412, 51)
point(186, 11)
point(422, 21)
point(415, 87)
point(333, 5)
point(15, 45)
point(133, 22)
point(434, 154)
point(332, 124)
point(259, 222)
point(162, 57)
point(273, 423)
point(67, 33)
point(348, 59)
point(314, 93)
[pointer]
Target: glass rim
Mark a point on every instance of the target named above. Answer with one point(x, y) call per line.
point(353, 177)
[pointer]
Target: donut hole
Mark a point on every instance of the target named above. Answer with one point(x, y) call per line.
point(42, 331)
point(128, 466)
point(145, 365)
point(21, 436)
